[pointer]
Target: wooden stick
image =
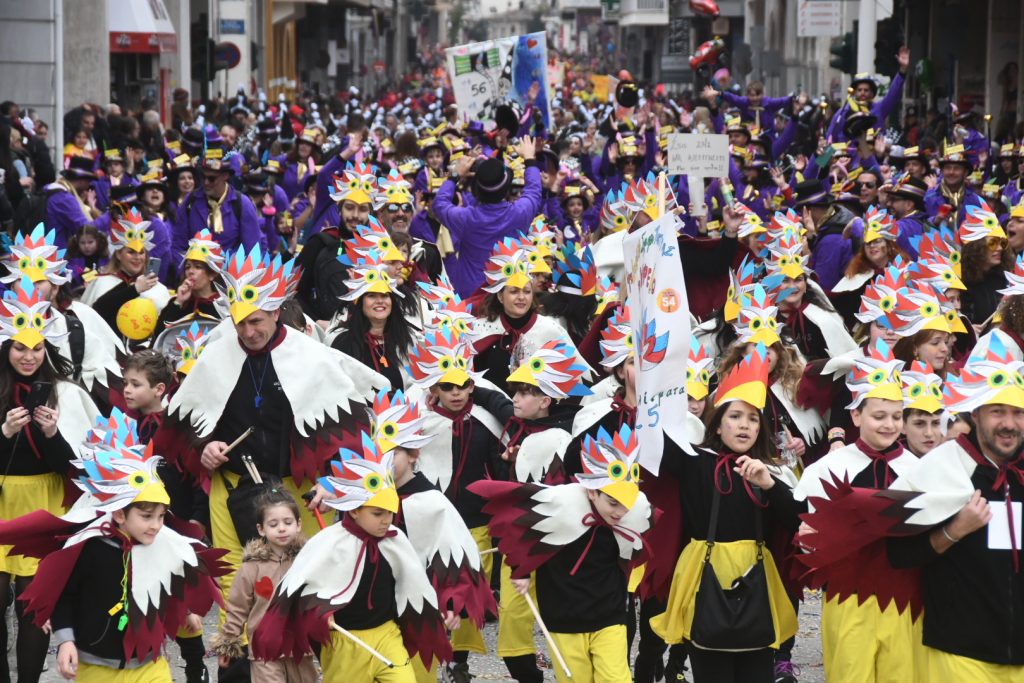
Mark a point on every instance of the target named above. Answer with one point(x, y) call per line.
point(488, 551)
point(360, 642)
point(662, 181)
point(547, 635)
point(240, 439)
point(250, 467)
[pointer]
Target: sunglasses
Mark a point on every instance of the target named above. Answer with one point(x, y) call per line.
point(449, 386)
point(395, 208)
point(868, 186)
point(996, 243)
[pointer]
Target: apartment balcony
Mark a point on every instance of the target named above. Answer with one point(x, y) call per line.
point(643, 13)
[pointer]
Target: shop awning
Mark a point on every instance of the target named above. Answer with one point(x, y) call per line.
point(140, 27)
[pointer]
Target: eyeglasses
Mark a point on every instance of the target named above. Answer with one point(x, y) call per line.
point(868, 186)
point(395, 208)
point(996, 243)
point(449, 386)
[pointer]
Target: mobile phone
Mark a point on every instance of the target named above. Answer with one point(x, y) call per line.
point(153, 266)
point(38, 395)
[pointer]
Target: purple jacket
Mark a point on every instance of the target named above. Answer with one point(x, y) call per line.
point(880, 109)
point(934, 200)
point(193, 215)
point(64, 215)
point(769, 106)
point(832, 252)
point(103, 190)
point(476, 229)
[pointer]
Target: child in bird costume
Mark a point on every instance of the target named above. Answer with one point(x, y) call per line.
point(361, 575)
point(581, 540)
point(441, 539)
point(116, 579)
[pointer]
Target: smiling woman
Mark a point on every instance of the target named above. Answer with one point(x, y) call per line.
point(42, 412)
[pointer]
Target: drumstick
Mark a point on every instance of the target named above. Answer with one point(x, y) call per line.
point(488, 551)
point(237, 441)
point(361, 643)
point(547, 635)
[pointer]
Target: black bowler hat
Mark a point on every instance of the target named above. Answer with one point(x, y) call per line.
point(491, 181)
point(79, 168)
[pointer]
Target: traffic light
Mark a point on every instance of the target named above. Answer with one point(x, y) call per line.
point(200, 51)
point(888, 39)
point(844, 53)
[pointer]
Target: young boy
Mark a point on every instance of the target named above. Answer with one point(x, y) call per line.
point(580, 539)
point(365, 576)
point(465, 448)
point(867, 601)
point(922, 408)
point(537, 434)
point(444, 545)
point(147, 377)
point(103, 582)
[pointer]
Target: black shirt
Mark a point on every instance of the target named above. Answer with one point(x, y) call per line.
point(259, 401)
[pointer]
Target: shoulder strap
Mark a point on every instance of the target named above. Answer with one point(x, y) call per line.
point(76, 342)
point(716, 503)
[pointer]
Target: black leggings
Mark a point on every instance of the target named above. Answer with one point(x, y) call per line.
point(32, 642)
point(524, 669)
point(732, 667)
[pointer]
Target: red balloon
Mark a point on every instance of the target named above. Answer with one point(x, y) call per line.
point(707, 8)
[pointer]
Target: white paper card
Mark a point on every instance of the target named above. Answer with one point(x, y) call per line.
point(999, 525)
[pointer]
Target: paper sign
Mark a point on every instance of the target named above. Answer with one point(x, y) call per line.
point(999, 525)
point(698, 155)
point(660, 317)
point(495, 72)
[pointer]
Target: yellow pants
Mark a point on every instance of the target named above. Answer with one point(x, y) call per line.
point(863, 644)
point(20, 496)
point(467, 637)
point(223, 530)
point(515, 620)
point(597, 657)
point(342, 661)
point(943, 666)
point(154, 672)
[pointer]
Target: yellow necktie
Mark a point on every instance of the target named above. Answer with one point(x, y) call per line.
point(216, 223)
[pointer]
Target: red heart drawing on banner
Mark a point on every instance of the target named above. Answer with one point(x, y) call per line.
point(531, 43)
point(265, 588)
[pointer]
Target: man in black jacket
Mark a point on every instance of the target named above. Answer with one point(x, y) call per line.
point(972, 579)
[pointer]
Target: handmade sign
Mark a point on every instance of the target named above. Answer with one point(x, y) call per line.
point(660, 318)
point(495, 72)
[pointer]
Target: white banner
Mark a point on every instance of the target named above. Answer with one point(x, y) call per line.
point(660, 318)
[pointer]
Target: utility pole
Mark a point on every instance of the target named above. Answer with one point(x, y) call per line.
point(866, 29)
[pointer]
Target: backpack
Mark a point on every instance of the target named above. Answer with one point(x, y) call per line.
point(76, 342)
point(31, 211)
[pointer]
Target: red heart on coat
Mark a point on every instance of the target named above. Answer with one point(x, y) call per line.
point(531, 43)
point(265, 588)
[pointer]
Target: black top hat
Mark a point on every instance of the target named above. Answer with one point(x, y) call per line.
point(123, 193)
point(257, 181)
point(627, 94)
point(857, 123)
point(491, 181)
point(812, 193)
point(506, 118)
point(909, 187)
point(79, 168)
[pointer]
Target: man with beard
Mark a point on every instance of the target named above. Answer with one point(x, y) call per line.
point(952, 194)
point(395, 209)
point(323, 277)
point(969, 492)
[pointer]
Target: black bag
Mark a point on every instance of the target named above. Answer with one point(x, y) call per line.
point(739, 618)
point(242, 503)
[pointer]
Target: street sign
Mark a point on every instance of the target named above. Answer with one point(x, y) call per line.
point(819, 18)
point(701, 156)
point(236, 26)
point(226, 56)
